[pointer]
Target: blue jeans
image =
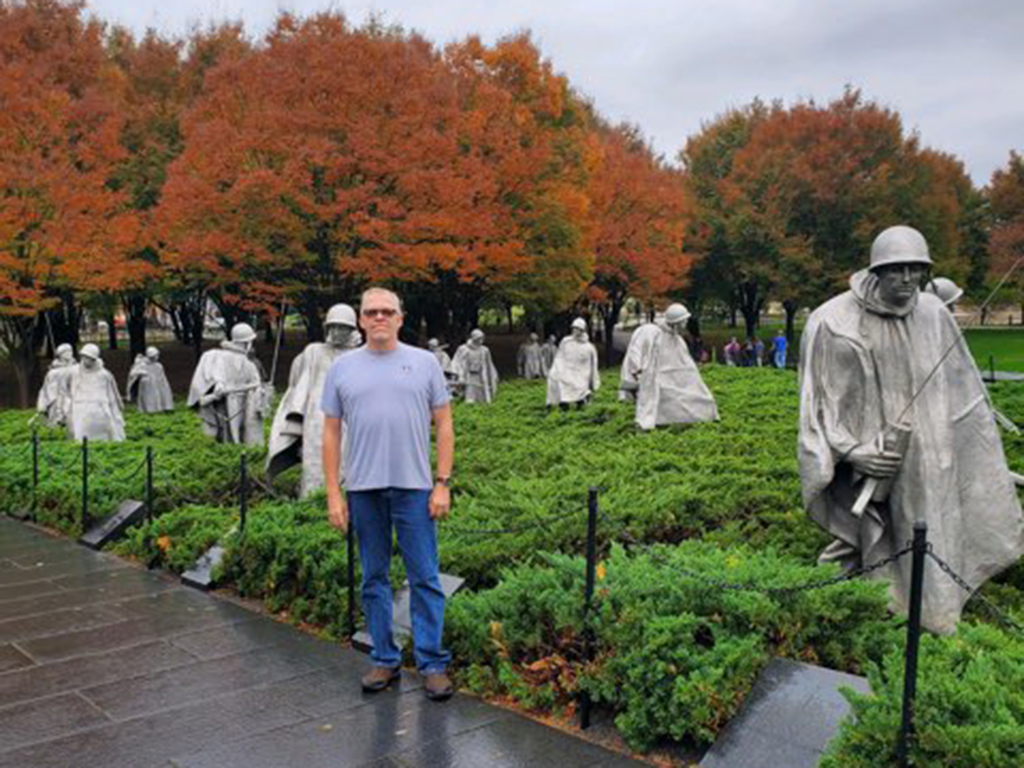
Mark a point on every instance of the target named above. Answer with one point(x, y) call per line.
point(373, 514)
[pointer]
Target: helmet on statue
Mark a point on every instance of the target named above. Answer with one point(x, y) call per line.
point(899, 245)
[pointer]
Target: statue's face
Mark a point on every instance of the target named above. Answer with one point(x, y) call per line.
point(677, 328)
point(66, 356)
point(153, 356)
point(578, 333)
point(90, 363)
point(897, 283)
point(476, 342)
point(338, 335)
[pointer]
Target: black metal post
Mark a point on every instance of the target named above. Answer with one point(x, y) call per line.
point(913, 641)
point(149, 483)
point(350, 543)
point(85, 484)
point(588, 596)
point(243, 492)
point(35, 474)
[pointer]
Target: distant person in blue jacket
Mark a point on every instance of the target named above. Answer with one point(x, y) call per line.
point(779, 350)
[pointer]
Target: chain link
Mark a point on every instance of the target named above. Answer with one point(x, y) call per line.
point(973, 594)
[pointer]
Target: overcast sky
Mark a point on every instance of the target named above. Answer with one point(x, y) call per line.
point(954, 69)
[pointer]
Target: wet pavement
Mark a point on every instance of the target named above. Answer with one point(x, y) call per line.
point(105, 664)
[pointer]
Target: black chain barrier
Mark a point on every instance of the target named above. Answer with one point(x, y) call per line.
point(961, 582)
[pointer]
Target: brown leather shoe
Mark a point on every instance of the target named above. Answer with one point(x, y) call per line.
point(437, 686)
point(379, 678)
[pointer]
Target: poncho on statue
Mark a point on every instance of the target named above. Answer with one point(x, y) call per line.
point(51, 402)
point(660, 373)
point(474, 370)
point(296, 435)
point(94, 404)
point(530, 359)
point(226, 390)
point(148, 385)
point(574, 374)
point(865, 366)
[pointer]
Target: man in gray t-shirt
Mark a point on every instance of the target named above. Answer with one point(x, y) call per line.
point(387, 393)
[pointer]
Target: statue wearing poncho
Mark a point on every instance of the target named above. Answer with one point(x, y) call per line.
point(148, 385)
point(226, 390)
point(574, 375)
point(296, 435)
point(475, 371)
point(530, 359)
point(52, 400)
point(866, 356)
point(94, 404)
point(548, 350)
point(659, 373)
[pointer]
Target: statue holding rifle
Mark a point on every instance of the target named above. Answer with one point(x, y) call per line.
point(227, 390)
point(896, 428)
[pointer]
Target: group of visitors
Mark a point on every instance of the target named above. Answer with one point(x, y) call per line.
point(751, 354)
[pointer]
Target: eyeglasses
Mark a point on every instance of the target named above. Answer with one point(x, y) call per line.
point(387, 312)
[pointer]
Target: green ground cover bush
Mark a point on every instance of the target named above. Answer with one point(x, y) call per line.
point(189, 468)
point(674, 658)
point(969, 709)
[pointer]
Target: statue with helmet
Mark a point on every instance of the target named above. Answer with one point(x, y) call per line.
point(94, 408)
point(296, 435)
point(475, 374)
point(148, 385)
point(896, 428)
point(226, 390)
point(573, 376)
point(530, 359)
point(946, 290)
point(659, 374)
point(51, 403)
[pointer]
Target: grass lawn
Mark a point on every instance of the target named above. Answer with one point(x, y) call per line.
point(1005, 345)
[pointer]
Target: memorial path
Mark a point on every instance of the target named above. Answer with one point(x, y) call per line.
point(105, 664)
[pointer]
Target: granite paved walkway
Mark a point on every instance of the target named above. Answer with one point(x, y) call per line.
point(103, 664)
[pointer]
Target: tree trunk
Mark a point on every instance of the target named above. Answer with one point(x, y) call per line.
point(750, 306)
point(611, 317)
point(111, 331)
point(791, 310)
point(508, 314)
point(135, 305)
point(310, 310)
point(22, 337)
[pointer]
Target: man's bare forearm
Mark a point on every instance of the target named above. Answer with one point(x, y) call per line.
point(331, 454)
point(445, 441)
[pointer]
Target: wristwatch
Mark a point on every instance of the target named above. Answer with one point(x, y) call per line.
point(445, 481)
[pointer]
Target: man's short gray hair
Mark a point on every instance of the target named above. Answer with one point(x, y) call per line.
point(384, 291)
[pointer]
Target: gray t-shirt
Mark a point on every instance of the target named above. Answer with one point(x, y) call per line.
point(385, 400)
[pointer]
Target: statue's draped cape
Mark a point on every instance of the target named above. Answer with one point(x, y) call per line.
point(237, 417)
point(861, 365)
point(148, 386)
point(296, 435)
point(474, 369)
point(668, 385)
point(94, 404)
point(574, 374)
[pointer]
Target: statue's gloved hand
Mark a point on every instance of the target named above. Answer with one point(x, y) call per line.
point(872, 462)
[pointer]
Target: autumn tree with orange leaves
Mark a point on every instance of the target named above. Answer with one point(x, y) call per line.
point(330, 157)
point(1006, 199)
point(791, 199)
point(641, 212)
point(62, 229)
